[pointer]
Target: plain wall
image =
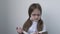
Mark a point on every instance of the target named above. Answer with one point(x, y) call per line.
point(14, 13)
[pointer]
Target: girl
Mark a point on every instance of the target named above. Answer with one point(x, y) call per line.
point(34, 24)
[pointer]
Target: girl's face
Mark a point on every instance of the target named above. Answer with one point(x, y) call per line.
point(35, 15)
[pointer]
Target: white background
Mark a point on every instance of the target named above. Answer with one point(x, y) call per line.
point(14, 13)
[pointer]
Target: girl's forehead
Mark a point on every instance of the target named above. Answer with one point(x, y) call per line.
point(36, 11)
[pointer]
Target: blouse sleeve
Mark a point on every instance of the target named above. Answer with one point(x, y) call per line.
point(44, 29)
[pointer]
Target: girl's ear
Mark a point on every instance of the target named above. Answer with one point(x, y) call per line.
point(31, 18)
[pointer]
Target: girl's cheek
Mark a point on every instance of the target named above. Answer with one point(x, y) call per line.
point(32, 18)
point(39, 18)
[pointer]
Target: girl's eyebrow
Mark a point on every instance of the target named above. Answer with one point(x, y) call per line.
point(36, 14)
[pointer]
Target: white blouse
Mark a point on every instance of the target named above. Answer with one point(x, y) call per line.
point(33, 28)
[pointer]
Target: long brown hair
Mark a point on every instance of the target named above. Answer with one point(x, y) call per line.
point(28, 23)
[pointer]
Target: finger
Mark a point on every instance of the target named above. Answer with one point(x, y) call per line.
point(16, 27)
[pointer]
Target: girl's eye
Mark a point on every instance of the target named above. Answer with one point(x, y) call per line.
point(38, 14)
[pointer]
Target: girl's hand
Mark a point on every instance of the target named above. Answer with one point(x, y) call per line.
point(35, 33)
point(39, 33)
point(19, 30)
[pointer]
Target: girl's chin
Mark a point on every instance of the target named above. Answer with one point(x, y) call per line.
point(35, 20)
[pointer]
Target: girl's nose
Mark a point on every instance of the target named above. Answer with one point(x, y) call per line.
point(36, 17)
